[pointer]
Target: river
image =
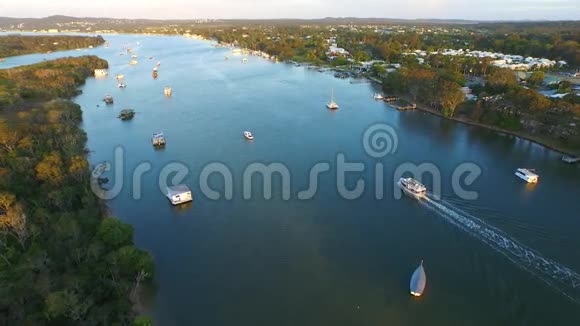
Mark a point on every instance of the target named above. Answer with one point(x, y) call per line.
point(326, 260)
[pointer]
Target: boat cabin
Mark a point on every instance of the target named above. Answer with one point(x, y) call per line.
point(179, 194)
point(158, 139)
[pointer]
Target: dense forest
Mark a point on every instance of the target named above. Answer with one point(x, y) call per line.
point(11, 45)
point(62, 261)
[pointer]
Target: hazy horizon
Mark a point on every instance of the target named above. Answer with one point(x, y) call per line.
point(298, 9)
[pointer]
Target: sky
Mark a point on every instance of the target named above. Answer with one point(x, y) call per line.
point(308, 9)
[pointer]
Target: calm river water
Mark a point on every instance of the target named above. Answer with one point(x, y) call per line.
point(509, 257)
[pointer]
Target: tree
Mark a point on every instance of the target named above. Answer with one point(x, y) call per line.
point(536, 78)
point(501, 79)
point(361, 56)
point(50, 169)
point(78, 166)
point(8, 138)
point(66, 304)
point(115, 233)
point(449, 96)
point(142, 321)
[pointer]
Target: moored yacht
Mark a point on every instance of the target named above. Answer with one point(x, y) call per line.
point(332, 105)
point(527, 175)
point(158, 139)
point(378, 97)
point(179, 194)
point(248, 135)
point(121, 85)
point(108, 99)
point(412, 187)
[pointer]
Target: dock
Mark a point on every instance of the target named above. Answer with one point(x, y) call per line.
point(406, 107)
point(570, 159)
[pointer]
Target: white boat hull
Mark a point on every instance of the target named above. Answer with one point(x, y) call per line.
point(526, 178)
point(411, 193)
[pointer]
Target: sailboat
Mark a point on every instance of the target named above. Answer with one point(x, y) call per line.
point(418, 281)
point(332, 104)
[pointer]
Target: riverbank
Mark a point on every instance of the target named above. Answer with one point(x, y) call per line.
point(50, 213)
point(543, 142)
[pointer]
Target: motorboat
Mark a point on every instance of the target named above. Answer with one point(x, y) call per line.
point(412, 187)
point(527, 175)
point(248, 135)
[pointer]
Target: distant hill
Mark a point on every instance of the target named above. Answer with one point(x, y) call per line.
point(95, 23)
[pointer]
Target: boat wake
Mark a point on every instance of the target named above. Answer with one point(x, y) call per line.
point(557, 276)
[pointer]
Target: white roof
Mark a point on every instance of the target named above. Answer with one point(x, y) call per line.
point(527, 172)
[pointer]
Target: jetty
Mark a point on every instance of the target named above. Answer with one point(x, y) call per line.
point(406, 107)
point(570, 159)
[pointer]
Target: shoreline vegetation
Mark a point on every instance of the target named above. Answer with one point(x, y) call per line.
point(503, 103)
point(16, 44)
point(63, 259)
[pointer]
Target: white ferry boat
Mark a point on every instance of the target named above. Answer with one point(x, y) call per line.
point(527, 175)
point(412, 187)
point(248, 135)
point(179, 194)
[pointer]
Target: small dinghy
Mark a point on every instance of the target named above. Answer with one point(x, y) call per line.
point(418, 281)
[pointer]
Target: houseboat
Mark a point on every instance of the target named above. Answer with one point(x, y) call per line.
point(158, 139)
point(126, 114)
point(108, 99)
point(101, 73)
point(418, 281)
point(167, 91)
point(179, 194)
point(527, 175)
point(332, 105)
point(412, 187)
point(248, 135)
